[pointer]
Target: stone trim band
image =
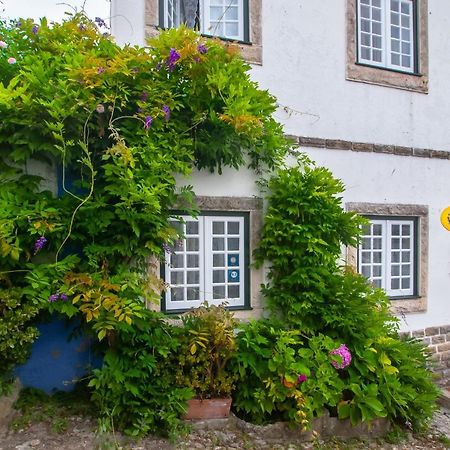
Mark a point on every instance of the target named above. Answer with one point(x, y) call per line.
point(338, 144)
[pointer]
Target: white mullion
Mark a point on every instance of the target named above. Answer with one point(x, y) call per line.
point(386, 38)
point(207, 260)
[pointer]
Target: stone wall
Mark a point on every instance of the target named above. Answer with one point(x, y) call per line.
point(438, 341)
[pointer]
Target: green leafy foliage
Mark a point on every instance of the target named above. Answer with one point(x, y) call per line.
point(207, 346)
point(134, 390)
point(109, 129)
point(318, 304)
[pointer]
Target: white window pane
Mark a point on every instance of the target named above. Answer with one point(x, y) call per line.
point(406, 61)
point(192, 244)
point(232, 13)
point(405, 34)
point(218, 276)
point(191, 227)
point(179, 245)
point(395, 283)
point(366, 257)
point(406, 7)
point(376, 272)
point(218, 244)
point(365, 53)
point(406, 242)
point(231, 29)
point(395, 270)
point(406, 283)
point(395, 5)
point(377, 283)
point(395, 243)
point(405, 21)
point(193, 277)
point(177, 277)
point(219, 260)
point(395, 230)
point(376, 14)
point(193, 260)
point(366, 271)
point(218, 292)
point(177, 261)
point(395, 32)
point(365, 25)
point(395, 257)
point(365, 12)
point(234, 291)
point(395, 19)
point(406, 257)
point(233, 244)
point(376, 55)
point(376, 3)
point(216, 28)
point(365, 2)
point(377, 243)
point(365, 39)
point(377, 257)
point(395, 59)
point(376, 42)
point(406, 269)
point(233, 227)
point(395, 45)
point(193, 293)
point(377, 229)
point(218, 227)
point(216, 12)
point(177, 294)
point(376, 28)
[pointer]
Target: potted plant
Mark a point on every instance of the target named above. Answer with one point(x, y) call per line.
point(207, 344)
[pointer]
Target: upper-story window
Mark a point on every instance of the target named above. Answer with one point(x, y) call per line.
point(223, 18)
point(387, 34)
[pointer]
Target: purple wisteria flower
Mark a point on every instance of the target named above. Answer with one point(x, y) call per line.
point(158, 66)
point(174, 56)
point(100, 22)
point(82, 27)
point(63, 297)
point(53, 298)
point(166, 111)
point(144, 96)
point(202, 49)
point(345, 354)
point(39, 244)
point(139, 110)
point(35, 29)
point(18, 24)
point(167, 248)
point(148, 122)
point(100, 70)
point(301, 378)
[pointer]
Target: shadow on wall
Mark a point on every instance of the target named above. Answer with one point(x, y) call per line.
point(59, 358)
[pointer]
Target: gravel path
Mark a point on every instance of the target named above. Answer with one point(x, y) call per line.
point(81, 435)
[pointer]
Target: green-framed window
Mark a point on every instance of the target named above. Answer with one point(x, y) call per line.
point(210, 263)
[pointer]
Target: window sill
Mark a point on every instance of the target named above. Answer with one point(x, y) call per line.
point(173, 312)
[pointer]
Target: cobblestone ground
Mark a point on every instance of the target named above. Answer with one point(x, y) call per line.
point(81, 435)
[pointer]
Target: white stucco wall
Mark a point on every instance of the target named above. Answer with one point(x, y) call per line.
point(304, 66)
point(127, 21)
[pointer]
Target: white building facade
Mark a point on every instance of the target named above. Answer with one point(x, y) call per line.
point(362, 85)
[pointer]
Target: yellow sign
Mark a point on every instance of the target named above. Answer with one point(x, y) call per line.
point(445, 218)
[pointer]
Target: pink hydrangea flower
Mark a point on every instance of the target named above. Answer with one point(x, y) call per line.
point(345, 354)
point(12, 60)
point(3, 44)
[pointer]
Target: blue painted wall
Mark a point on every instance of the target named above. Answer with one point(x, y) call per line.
point(57, 363)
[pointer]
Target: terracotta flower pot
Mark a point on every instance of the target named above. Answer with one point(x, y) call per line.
point(210, 408)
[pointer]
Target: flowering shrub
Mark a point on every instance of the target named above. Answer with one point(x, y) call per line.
point(319, 305)
point(345, 357)
point(113, 127)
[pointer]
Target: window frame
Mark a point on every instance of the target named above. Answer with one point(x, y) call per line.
point(406, 305)
point(243, 22)
point(386, 254)
point(245, 270)
point(386, 37)
point(416, 81)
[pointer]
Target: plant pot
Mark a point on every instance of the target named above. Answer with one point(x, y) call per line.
point(209, 408)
